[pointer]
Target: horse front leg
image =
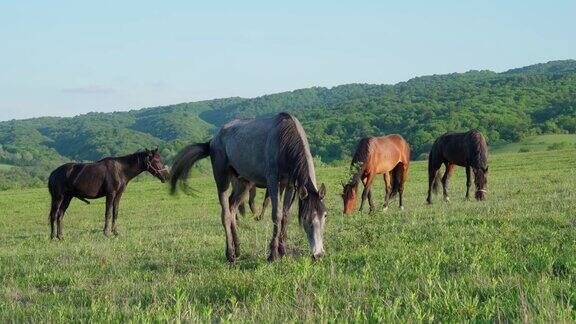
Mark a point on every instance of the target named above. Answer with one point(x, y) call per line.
point(115, 208)
point(370, 201)
point(366, 192)
point(288, 199)
point(276, 219)
point(108, 213)
point(468, 181)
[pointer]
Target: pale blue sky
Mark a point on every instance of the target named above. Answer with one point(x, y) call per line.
point(63, 58)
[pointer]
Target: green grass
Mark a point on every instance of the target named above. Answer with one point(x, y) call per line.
point(5, 167)
point(512, 257)
point(538, 143)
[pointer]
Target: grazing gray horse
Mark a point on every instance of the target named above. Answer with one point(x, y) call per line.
point(268, 153)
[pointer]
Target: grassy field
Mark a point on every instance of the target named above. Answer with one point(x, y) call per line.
point(512, 257)
point(5, 167)
point(538, 143)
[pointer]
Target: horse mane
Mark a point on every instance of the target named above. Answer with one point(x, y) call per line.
point(359, 157)
point(128, 158)
point(294, 151)
point(478, 150)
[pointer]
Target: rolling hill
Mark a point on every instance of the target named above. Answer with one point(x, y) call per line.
point(507, 107)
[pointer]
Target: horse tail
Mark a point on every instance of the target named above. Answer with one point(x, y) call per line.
point(359, 159)
point(400, 171)
point(185, 160)
point(397, 179)
point(84, 200)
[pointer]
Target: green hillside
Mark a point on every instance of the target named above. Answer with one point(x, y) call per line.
point(507, 107)
point(551, 142)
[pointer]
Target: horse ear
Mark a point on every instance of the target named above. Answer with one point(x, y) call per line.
point(322, 191)
point(486, 170)
point(156, 150)
point(146, 150)
point(302, 193)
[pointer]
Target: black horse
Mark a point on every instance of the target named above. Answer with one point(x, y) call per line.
point(467, 149)
point(105, 178)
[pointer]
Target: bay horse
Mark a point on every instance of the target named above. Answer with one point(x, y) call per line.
point(388, 155)
point(105, 178)
point(468, 150)
point(264, 152)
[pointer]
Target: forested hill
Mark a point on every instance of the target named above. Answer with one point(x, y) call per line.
point(506, 106)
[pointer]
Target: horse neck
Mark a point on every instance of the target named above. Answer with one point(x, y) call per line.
point(132, 165)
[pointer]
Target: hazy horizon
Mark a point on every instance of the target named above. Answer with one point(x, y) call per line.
point(74, 58)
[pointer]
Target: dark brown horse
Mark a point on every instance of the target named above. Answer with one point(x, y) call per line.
point(468, 150)
point(388, 155)
point(105, 178)
point(263, 152)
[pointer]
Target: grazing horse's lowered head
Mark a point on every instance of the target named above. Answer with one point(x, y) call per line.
point(481, 181)
point(155, 165)
point(469, 150)
point(312, 217)
point(387, 155)
point(349, 196)
point(271, 152)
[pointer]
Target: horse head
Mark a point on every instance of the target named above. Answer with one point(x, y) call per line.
point(155, 164)
point(312, 216)
point(349, 195)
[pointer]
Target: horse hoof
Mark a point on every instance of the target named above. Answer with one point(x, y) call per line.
point(401, 207)
point(447, 199)
point(385, 208)
point(273, 257)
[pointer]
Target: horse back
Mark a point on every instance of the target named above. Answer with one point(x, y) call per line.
point(462, 149)
point(243, 144)
point(386, 152)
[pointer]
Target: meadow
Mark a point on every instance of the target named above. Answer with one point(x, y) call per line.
point(510, 258)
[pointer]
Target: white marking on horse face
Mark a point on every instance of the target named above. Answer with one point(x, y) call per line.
point(316, 242)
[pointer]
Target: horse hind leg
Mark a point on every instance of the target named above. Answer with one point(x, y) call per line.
point(446, 180)
point(61, 212)
point(403, 175)
point(54, 210)
point(252, 200)
point(433, 174)
point(388, 186)
point(265, 204)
